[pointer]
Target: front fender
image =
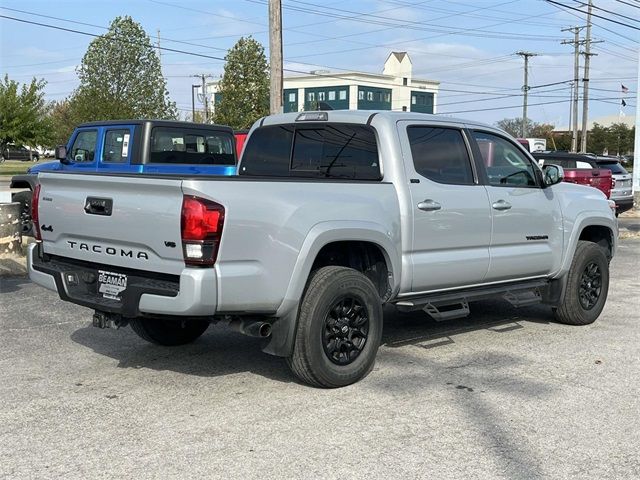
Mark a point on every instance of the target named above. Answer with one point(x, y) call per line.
point(586, 219)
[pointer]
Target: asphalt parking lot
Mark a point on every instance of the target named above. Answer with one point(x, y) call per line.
point(505, 393)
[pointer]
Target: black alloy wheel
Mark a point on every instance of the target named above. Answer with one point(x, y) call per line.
point(587, 285)
point(339, 328)
point(590, 286)
point(346, 329)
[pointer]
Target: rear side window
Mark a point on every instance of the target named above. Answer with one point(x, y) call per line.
point(116, 146)
point(561, 162)
point(84, 146)
point(440, 154)
point(319, 150)
point(615, 167)
point(191, 147)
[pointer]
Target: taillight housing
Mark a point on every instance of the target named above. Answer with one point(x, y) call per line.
point(201, 230)
point(35, 218)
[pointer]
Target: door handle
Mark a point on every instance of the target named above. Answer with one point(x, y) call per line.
point(429, 205)
point(501, 205)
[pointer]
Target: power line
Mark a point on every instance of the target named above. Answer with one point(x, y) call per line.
point(597, 16)
point(608, 11)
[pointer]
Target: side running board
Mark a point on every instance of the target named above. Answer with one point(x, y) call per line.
point(454, 304)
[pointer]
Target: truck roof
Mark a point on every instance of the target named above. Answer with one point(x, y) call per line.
point(363, 116)
point(157, 123)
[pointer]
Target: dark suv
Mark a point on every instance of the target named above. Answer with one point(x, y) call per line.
point(621, 191)
point(11, 152)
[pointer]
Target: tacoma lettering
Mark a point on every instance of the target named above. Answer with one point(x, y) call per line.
point(107, 250)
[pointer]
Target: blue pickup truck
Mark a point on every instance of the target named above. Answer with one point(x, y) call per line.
point(136, 146)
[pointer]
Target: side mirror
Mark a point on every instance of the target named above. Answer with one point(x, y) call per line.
point(553, 174)
point(61, 154)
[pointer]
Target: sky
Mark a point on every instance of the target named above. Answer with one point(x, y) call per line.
point(469, 46)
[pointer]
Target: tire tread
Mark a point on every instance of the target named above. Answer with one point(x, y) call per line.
point(566, 311)
point(300, 361)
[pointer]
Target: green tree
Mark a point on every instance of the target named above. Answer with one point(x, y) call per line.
point(621, 139)
point(244, 85)
point(120, 77)
point(598, 139)
point(513, 126)
point(562, 142)
point(23, 119)
point(64, 117)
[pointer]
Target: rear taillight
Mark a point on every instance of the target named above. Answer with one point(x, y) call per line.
point(201, 229)
point(613, 183)
point(35, 200)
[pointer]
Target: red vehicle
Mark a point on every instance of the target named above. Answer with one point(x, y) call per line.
point(241, 137)
point(578, 168)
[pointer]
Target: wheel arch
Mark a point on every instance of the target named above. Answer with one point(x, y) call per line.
point(590, 226)
point(24, 181)
point(336, 243)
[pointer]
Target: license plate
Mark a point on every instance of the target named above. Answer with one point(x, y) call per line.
point(111, 284)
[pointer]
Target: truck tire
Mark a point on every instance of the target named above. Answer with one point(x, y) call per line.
point(339, 328)
point(168, 332)
point(587, 286)
point(25, 212)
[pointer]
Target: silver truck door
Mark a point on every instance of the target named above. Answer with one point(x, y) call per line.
point(527, 234)
point(450, 210)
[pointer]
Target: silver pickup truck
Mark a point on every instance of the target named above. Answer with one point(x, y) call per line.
point(331, 216)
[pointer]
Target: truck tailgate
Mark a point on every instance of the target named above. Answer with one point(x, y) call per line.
point(125, 221)
point(599, 178)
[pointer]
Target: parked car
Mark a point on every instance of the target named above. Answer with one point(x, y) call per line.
point(24, 154)
point(241, 138)
point(332, 215)
point(579, 168)
point(620, 190)
point(136, 146)
point(46, 152)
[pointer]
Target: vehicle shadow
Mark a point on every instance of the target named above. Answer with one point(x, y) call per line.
point(479, 384)
point(418, 328)
point(10, 283)
point(221, 352)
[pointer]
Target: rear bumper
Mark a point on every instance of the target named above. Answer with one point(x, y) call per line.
point(623, 204)
point(192, 293)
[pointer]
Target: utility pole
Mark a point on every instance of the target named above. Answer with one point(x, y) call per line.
point(571, 105)
point(275, 56)
point(193, 103)
point(576, 78)
point(205, 101)
point(585, 89)
point(525, 89)
point(159, 51)
point(636, 145)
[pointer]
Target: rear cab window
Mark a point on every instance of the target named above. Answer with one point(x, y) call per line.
point(117, 145)
point(191, 146)
point(318, 150)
